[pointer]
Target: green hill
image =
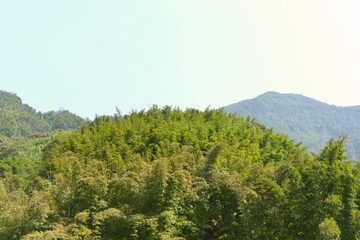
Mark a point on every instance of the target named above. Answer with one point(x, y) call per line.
point(304, 119)
point(171, 174)
point(18, 119)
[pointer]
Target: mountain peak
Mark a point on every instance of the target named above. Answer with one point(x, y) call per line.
point(9, 99)
point(19, 119)
point(287, 99)
point(271, 93)
point(303, 118)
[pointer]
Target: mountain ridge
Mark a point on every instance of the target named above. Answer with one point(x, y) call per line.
point(303, 118)
point(19, 119)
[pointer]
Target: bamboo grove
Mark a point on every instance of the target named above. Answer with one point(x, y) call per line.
point(172, 174)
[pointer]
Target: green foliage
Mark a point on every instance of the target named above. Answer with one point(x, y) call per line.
point(329, 230)
point(9, 99)
point(18, 119)
point(172, 174)
point(63, 120)
point(304, 119)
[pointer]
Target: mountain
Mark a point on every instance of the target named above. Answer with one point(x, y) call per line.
point(304, 119)
point(18, 119)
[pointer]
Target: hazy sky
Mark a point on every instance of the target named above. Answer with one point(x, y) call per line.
point(90, 56)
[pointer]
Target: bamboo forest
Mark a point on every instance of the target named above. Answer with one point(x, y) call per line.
point(167, 173)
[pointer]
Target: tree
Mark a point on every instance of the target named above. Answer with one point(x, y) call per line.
point(329, 230)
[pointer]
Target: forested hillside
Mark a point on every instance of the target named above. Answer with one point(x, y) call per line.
point(172, 174)
point(18, 119)
point(304, 119)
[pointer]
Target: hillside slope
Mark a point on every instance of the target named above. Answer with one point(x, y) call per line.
point(304, 119)
point(18, 119)
point(172, 174)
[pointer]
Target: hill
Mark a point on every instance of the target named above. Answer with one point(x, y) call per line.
point(172, 174)
point(18, 119)
point(304, 119)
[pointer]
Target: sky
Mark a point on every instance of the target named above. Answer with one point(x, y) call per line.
point(90, 57)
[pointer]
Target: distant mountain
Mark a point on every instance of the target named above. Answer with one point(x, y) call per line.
point(304, 119)
point(18, 119)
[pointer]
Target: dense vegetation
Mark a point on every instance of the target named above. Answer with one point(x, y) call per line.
point(172, 174)
point(304, 119)
point(18, 119)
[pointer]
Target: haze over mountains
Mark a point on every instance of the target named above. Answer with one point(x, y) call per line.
point(304, 119)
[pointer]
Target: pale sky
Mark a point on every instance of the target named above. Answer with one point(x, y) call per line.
point(89, 56)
